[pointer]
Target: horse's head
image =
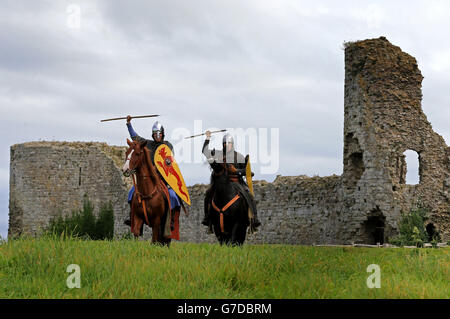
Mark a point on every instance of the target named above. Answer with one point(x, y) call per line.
point(219, 171)
point(133, 157)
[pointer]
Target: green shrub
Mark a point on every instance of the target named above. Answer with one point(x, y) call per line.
point(84, 224)
point(412, 231)
point(104, 226)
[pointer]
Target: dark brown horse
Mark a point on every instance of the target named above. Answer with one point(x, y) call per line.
point(150, 202)
point(228, 210)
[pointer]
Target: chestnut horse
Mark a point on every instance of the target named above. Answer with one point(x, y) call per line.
point(150, 202)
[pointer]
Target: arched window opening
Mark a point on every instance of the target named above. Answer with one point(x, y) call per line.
point(432, 232)
point(412, 159)
point(373, 227)
point(353, 161)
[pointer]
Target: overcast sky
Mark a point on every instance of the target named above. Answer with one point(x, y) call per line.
point(231, 64)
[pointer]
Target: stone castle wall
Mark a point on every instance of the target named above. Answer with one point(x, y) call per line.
point(51, 178)
point(292, 210)
point(383, 118)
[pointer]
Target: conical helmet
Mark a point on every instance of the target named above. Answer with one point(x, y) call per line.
point(158, 129)
point(227, 138)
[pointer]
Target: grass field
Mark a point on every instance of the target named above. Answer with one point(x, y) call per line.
point(36, 268)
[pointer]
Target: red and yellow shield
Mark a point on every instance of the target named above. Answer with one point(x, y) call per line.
point(168, 168)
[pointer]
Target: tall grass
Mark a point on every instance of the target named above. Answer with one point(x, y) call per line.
point(36, 268)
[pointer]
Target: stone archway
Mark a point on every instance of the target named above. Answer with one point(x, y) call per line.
point(373, 228)
point(432, 232)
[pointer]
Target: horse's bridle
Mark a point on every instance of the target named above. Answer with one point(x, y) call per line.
point(128, 172)
point(224, 168)
point(133, 173)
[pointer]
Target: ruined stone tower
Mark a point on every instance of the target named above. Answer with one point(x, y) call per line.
point(383, 118)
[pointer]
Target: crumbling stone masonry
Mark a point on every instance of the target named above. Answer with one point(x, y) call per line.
point(383, 118)
point(50, 178)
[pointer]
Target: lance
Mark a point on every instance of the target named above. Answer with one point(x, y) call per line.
point(205, 134)
point(133, 117)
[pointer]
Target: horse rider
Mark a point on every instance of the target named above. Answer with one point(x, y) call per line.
point(236, 170)
point(152, 145)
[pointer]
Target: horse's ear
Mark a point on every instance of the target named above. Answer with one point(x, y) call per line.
point(144, 143)
point(129, 142)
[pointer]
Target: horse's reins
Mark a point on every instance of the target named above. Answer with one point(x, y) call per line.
point(141, 197)
point(224, 208)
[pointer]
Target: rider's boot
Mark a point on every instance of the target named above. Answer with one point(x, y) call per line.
point(205, 220)
point(255, 221)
